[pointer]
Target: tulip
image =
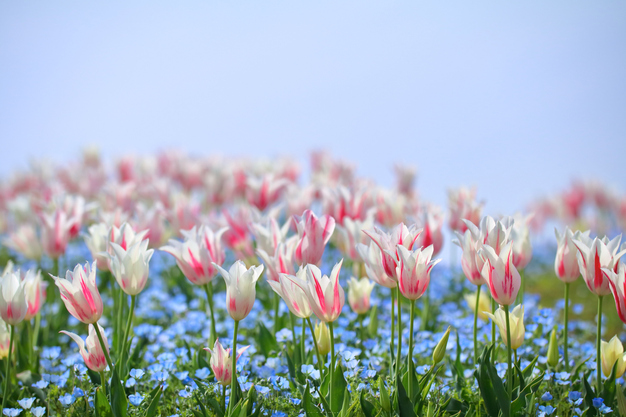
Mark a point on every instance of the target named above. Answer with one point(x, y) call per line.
point(125, 236)
point(567, 270)
point(269, 236)
point(432, 221)
point(617, 283)
point(265, 191)
point(520, 235)
point(281, 262)
point(131, 266)
point(25, 241)
point(490, 232)
point(313, 235)
point(502, 276)
point(221, 362)
point(345, 203)
point(440, 350)
point(5, 340)
point(294, 296)
point(612, 352)
point(237, 236)
point(324, 293)
point(359, 294)
point(484, 304)
point(240, 288)
point(463, 206)
point(55, 232)
point(198, 253)
point(413, 271)
point(553, 350)
point(516, 319)
point(350, 235)
point(97, 240)
point(93, 355)
point(80, 293)
point(469, 246)
point(322, 337)
point(388, 243)
point(372, 257)
point(34, 291)
point(13, 306)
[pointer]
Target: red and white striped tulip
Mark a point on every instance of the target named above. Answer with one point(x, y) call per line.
point(281, 262)
point(269, 235)
point(13, 306)
point(91, 349)
point(617, 284)
point(240, 288)
point(359, 292)
point(388, 243)
point(97, 240)
point(34, 291)
point(198, 253)
point(313, 235)
point(294, 296)
point(468, 260)
point(432, 233)
point(372, 257)
point(131, 266)
point(500, 273)
point(413, 271)
point(55, 233)
point(221, 363)
point(25, 241)
point(520, 235)
point(325, 295)
point(566, 260)
point(80, 293)
point(593, 255)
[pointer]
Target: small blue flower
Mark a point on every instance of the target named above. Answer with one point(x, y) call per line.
point(262, 390)
point(597, 402)
point(574, 395)
point(137, 373)
point(203, 373)
point(184, 393)
point(546, 410)
point(41, 384)
point(604, 409)
point(26, 403)
point(130, 382)
point(78, 392)
point(67, 400)
point(11, 412)
point(135, 399)
point(546, 396)
point(38, 411)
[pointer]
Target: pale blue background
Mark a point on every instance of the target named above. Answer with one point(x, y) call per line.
point(517, 98)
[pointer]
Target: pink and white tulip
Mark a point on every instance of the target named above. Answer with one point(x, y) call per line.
point(372, 257)
point(221, 363)
point(131, 266)
point(566, 260)
point(97, 240)
point(34, 291)
point(313, 235)
point(593, 255)
point(240, 288)
point(55, 233)
point(91, 349)
point(350, 234)
point(13, 306)
point(432, 233)
point(197, 254)
point(413, 271)
point(25, 241)
point(468, 260)
point(281, 262)
point(269, 235)
point(500, 273)
point(520, 235)
point(617, 284)
point(80, 293)
point(388, 243)
point(294, 296)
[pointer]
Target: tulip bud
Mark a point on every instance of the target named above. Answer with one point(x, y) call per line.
point(440, 349)
point(612, 352)
point(516, 319)
point(322, 336)
point(384, 395)
point(359, 292)
point(553, 350)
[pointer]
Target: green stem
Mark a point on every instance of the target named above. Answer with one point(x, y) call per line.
point(425, 309)
point(7, 374)
point(332, 359)
point(476, 324)
point(118, 322)
point(293, 331)
point(103, 345)
point(393, 332)
point(320, 363)
point(598, 347)
point(233, 379)
point(276, 306)
point(362, 331)
point(520, 294)
point(208, 288)
point(302, 336)
point(37, 329)
point(565, 330)
point(399, 347)
point(410, 355)
point(493, 323)
point(29, 331)
point(129, 323)
point(103, 382)
point(509, 378)
point(224, 398)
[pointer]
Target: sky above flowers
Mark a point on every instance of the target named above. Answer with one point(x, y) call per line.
point(517, 99)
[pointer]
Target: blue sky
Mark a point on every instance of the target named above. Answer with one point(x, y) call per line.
point(516, 98)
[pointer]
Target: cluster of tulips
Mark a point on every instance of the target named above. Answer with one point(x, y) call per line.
point(196, 210)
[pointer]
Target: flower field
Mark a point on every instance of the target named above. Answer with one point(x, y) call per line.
point(170, 285)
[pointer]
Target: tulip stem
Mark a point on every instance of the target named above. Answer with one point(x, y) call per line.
point(103, 345)
point(208, 288)
point(129, 323)
point(224, 398)
point(233, 378)
point(399, 347)
point(320, 364)
point(509, 378)
point(293, 331)
point(7, 374)
point(103, 382)
point(598, 347)
point(409, 361)
point(332, 359)
point(476, 324)
point(362, 331)
point(493, 323)
point(565, 358)
point(393, 331)
point(276, 307)
point(302, 336)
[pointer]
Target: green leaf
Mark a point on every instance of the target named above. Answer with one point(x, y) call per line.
point(589, 395)
point(103, 409)
point(491, 386)
point(405, 408)
point(339, 387)
point(608, 389)
point(576, 371)
point(529, 390)
point(290, 366)
point(307, 403)
point(155, 396)
point(119, 403)
point(94, 377)
point(266, 341)
point(621, 401)
point(366, 406)
point(528, 371)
